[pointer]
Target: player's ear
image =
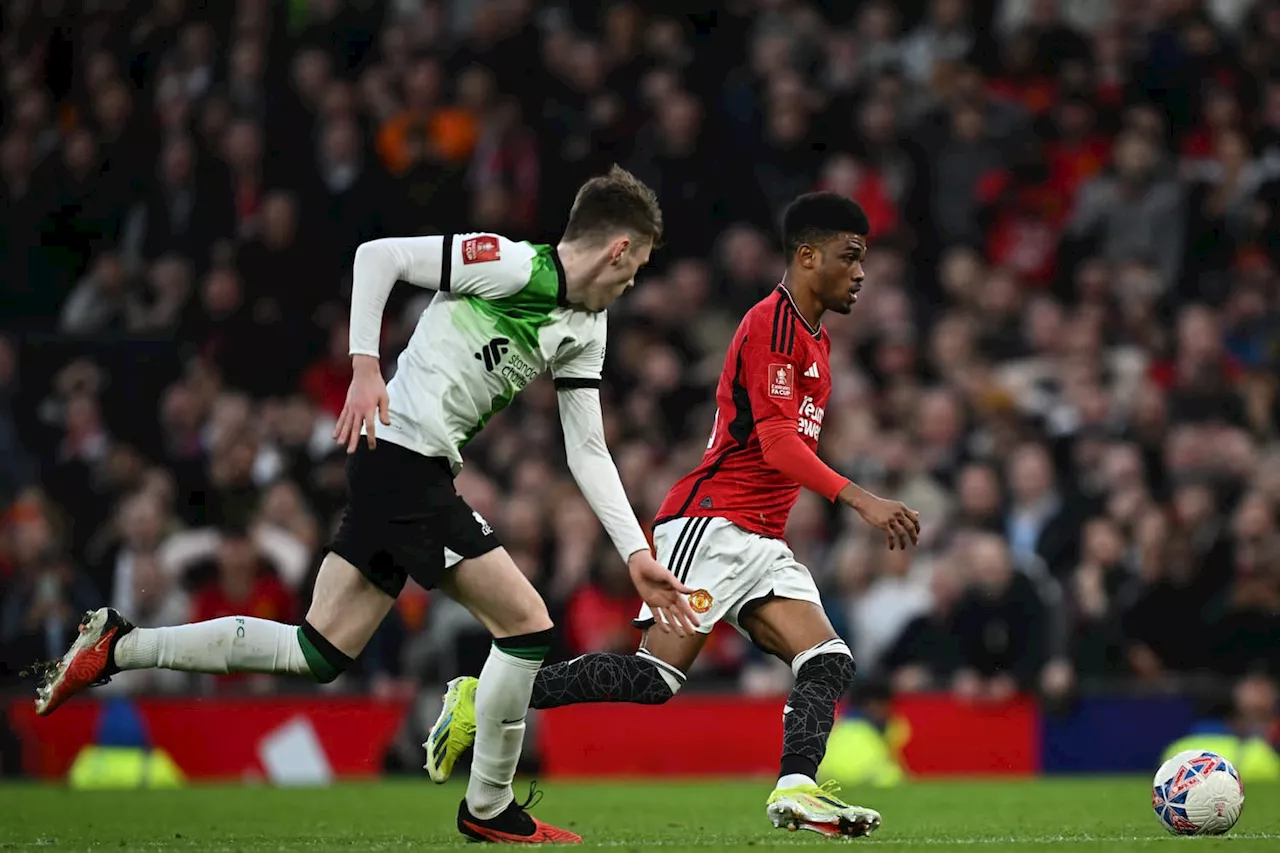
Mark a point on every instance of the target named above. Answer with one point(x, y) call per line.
point(807, 256)
point(617, 249)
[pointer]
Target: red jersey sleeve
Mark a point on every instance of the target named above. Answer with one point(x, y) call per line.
point(770, 379)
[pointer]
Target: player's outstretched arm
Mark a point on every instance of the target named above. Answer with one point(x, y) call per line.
point(785, 452)
point(901, 524)
point(770, 373)
point(597, 476)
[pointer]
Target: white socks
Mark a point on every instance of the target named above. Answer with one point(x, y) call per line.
point(502, 702)
point(219, 646)
point(793, 780)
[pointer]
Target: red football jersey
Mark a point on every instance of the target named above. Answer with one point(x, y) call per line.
point(777, 368)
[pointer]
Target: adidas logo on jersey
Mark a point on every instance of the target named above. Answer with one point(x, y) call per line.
point(492, 353)
point(812, 372)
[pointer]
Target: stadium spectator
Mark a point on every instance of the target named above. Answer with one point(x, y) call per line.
point(999, 625)
point(925, 655)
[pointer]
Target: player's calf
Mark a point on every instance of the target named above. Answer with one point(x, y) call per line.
point(108, 643)
point(641, 678)
point(501, 705)
point(234, 644)
point(823, 674)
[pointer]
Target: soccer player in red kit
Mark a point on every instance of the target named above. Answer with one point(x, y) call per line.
point(720, 529)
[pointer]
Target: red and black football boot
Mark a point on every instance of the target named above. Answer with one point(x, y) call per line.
point(514, 825)
point(88, 663)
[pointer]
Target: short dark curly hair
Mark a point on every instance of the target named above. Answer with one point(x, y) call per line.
point(814, 217)
point(618, 201)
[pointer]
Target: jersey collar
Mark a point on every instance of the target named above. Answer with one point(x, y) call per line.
point(816, 333)
point(562, 284)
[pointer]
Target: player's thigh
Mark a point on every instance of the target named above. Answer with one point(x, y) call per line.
point(784, 614)
point(785, 627)
point(671, 648)
point(393, 527)
point(498, 594)
point(346, 607)
point(480, 575)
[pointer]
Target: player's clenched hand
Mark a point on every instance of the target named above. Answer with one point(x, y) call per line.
point(663, 592)
point(901, 525)
point(366, 403)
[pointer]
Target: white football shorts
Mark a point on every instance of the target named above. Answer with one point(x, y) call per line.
point(730, 568)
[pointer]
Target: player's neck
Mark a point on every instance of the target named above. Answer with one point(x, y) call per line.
point(581, 266)
point(805, 299)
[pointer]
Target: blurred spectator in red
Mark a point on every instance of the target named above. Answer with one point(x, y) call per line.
point(326, 381)
point(598, 614)
point(845, 175)
point(244, 585)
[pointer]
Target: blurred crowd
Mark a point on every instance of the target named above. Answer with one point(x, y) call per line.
point(1066, 358)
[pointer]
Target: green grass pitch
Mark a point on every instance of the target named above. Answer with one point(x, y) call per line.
point(1076, 814)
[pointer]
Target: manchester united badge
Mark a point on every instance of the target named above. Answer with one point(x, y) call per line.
point(700, 601)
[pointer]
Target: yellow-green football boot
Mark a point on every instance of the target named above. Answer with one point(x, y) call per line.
point(455, 729)
point(818, 809)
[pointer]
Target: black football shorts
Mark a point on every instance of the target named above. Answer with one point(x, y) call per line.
point(402, 512)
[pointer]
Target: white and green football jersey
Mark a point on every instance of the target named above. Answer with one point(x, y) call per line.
point(499, 320)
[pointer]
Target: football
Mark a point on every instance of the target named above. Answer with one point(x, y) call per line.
point(1197, 793)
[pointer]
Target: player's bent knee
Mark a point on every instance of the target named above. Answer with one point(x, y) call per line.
point(672, 677)
point(324, 659)
point(829, 662)
point(497, 593)
point(530, 618)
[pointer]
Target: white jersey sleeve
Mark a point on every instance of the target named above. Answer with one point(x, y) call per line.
point(594, 471)
point(576, 371)
point(487, 266)
point(581, 363)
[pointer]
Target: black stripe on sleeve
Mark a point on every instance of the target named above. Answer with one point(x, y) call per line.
point(791, 332)
point(570, 382)
point(446, 262)
point(779, 315)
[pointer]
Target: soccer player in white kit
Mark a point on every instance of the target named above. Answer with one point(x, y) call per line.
point(504, 312)
point(722, 527)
